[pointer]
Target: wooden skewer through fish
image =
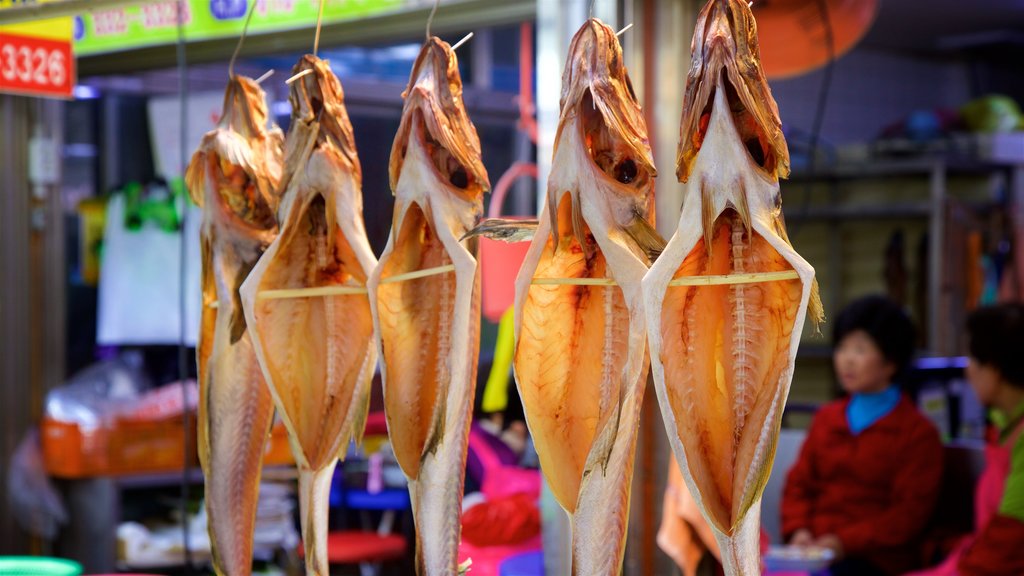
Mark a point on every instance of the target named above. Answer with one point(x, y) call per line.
point(463, 41)
point(346, 290)
point(705, 280)
point(265, 75)
point(299, 75)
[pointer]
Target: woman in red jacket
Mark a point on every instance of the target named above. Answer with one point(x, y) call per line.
point(869, 471)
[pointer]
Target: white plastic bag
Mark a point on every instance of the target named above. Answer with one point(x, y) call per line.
point(140, 282)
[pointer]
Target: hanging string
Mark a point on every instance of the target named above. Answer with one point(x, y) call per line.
point(430, 19)
point(241, 40)
point(183, 370)
point(319, 22)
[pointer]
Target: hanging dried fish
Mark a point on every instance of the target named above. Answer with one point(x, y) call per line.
point(581, 355)
point(727, 299)
point(426, 298)
point(233, 176)
point(305, 301)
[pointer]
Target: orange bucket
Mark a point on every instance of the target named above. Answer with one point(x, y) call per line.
point(500, 261)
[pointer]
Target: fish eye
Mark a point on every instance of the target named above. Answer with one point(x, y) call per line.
point(754, 139)
point(753, 146)
point(626, 171)
point(459, 178)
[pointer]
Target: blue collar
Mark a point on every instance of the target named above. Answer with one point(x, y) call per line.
point(866, 409)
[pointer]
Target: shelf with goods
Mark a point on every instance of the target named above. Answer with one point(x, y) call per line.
point(856, 222)
point(132, 472)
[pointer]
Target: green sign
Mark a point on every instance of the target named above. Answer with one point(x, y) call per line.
point(156, 23)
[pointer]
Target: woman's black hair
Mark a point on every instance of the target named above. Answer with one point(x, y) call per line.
point(885, 322)
point(996, 338)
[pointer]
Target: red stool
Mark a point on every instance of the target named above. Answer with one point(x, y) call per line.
point(368, 549)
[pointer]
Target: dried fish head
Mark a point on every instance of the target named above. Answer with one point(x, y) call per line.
point(726, 58)
point(242, 157)
point(435, 114)
point(598, 103)
point(318, 97)
point(245, 108)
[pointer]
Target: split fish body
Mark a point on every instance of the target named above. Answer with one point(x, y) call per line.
point(233, 177)
point(723, 355)
point(429, 326)
point(316, 351)
point(581, 357)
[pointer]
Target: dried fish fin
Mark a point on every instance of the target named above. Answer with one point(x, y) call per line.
point(298, 147)
point(579, 228)
point(208, 320)
point(815, 309)
point(645, 237)
point(436, 435)
point(195, 177)
point(604, 440)
point(237, 322)
point(504, 230)
point(553, 203)
point(361, 407)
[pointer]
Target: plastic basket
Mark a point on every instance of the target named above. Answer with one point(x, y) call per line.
point(38, 566)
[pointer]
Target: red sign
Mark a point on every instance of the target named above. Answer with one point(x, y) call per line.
point(36, 66)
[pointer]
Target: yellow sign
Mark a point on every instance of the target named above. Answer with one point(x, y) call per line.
point(55, 29)
point(36, 57)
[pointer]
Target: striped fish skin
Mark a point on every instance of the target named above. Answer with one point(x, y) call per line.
point(429, 327)
point(316, 352)
point(233, 176)
point(581, 355)
point(723, 355)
